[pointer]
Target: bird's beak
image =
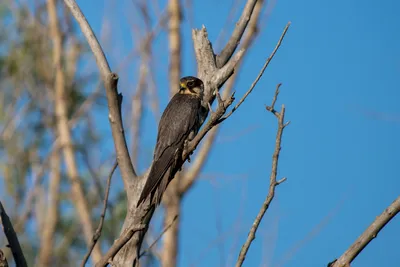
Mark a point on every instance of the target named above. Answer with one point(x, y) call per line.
point(183, 86)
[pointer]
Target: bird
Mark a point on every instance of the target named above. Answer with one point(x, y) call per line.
point(179, 124)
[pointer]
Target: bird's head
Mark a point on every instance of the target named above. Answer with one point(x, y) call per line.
point(191, 86)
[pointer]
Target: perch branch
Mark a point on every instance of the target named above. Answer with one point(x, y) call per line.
point(272, 184)
point(213, 78)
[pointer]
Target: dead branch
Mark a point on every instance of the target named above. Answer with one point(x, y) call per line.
point(12, 238)
point(366, 237)
point(97, 234)
point(213, 77)
point(237, 34)
point(218, 116)
point(114, 99)
point(119, 244)
point(259, 75)
point(272, 181)
point(191, 175)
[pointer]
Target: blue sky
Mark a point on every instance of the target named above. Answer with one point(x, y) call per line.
point(340, 69)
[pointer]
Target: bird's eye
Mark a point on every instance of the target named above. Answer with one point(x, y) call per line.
point(190, 84)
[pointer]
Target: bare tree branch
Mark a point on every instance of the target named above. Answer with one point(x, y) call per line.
point(260, 74)
point(119, 244)
point(237, 34)
point(110, 81)
point(218, 116)
point(213, 77)
point(97, 234)
point(191, 175)
point(272, 181)
point(369, 234)
point(12, 238)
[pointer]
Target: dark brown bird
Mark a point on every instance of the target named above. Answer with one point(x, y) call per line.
point(179, 123)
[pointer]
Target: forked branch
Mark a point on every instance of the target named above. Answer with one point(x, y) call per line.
point(126, 248)
point(272, 180)
point(259, 75)
point(218, 116)
point(118, 244)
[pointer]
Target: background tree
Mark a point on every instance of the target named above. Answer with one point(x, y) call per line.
point(57, 152)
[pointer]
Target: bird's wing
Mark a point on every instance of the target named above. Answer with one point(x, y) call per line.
point(177, 121)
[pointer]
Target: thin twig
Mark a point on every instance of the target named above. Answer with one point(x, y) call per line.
point(12, 238)
point(119, 244)
point(369, 234)
point(159, 237)
point(272, 182)
point(259, 75)
point(97, 234)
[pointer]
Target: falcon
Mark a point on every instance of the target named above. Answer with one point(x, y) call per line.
point(179, 123)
